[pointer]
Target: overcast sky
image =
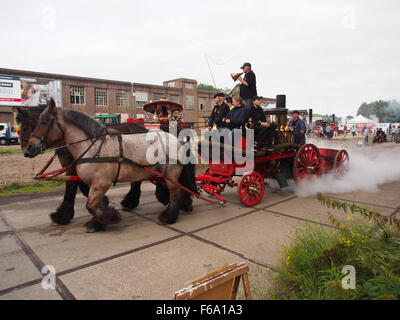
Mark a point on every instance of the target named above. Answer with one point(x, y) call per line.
point(327, 55)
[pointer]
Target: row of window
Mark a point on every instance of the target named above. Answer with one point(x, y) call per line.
point(142, 98)
point(187, 85)
point(77, 96)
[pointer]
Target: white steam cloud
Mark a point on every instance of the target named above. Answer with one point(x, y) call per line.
point(369, 168)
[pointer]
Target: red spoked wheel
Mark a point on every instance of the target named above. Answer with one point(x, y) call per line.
point(341, 164)
point(307, 163)
point(251, 189)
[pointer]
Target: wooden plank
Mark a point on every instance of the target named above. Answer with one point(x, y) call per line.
point(218, 285)
point(246, 286)
point(235, 288)
point(213, 274)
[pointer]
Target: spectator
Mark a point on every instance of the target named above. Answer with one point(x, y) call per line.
point(328, 132)
point(354, 131)
point(366, 134)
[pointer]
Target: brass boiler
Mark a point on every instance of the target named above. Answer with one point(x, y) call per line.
point(250, 124)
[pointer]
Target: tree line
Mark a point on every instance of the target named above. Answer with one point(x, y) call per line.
point(385, 111)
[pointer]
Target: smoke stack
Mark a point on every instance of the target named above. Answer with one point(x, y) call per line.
point(281, 101)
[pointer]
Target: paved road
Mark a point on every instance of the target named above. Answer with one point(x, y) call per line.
point(139, 259)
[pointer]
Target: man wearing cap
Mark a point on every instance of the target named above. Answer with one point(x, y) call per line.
point(264, 131)
point(220, 111)
point(299, 127)
point(248, 87)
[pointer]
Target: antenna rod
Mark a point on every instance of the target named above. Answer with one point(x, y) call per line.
point(209, 68)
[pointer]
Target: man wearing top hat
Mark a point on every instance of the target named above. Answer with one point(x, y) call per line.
point(248, 87)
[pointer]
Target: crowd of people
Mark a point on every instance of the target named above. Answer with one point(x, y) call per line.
point(329, 131)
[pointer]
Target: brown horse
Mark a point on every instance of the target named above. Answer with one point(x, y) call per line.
point(28, 119)
point(103, 157)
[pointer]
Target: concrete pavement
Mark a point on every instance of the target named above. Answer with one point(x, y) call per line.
point(139, 259)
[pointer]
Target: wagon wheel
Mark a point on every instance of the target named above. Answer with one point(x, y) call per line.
point(251, 189)
point(307, 163)
point(341, 164)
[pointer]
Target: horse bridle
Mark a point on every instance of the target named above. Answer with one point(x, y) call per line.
point(43, 145)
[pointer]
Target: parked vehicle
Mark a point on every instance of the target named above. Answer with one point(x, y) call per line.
point(109, 119)
point(8, 135)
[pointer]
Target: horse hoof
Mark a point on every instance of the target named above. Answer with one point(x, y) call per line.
point(126, 209)
point(129, 206)
point(115, 218)
point(188, 208)
point(161, 223)
point(59, 220)
point(94, 226)
point(91, 230)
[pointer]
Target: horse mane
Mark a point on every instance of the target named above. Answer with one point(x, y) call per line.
point(30, 114)
point(90, 126)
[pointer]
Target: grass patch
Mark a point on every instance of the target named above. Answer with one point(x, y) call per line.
point(10, 151)
point(20, 188)
point(311, 266)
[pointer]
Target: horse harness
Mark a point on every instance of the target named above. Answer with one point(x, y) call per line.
point(42, 139)
point(96, 159)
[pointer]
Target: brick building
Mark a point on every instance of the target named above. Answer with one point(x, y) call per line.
point(94, 96)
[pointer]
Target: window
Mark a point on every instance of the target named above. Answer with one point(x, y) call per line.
point(140, 104)
point(202, 104)
point(189, 102)
point(77, 95)
point(171, 84)
point(100, 97)
point(142, 98)
point(189, 85)
point(158, 96)
point(122, 98)
point(174, 98)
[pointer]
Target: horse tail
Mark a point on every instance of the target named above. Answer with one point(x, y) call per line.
point(188, 180)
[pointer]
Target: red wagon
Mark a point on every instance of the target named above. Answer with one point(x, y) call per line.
point(287, 161)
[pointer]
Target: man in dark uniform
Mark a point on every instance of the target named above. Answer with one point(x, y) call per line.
point(248, 88)
point(264, 131)
point(219, 113)
point(299, 127)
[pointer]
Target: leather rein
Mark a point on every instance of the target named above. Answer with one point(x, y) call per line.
point(96, 159)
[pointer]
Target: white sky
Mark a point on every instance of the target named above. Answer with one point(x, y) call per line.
point(327, 55)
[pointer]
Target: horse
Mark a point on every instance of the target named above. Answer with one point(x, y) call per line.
point(28, 118)
point(103, 156)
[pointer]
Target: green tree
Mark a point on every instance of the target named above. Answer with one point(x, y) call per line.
point(385, 111)
point(209, 87)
